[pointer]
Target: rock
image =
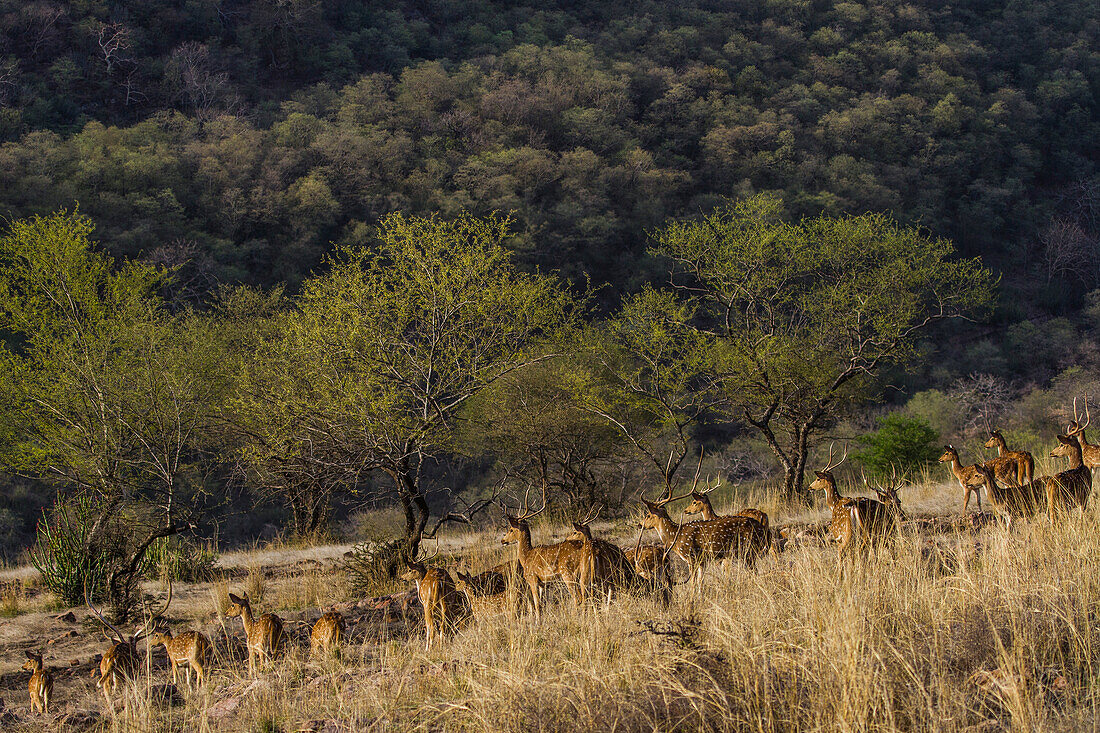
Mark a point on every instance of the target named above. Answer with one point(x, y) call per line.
point(79, 720)
point(68, 617)
point(224, 708)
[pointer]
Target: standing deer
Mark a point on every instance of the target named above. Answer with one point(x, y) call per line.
point(1020, 460)
point(40, 685)
point(1072, 487)
point(546, 563)
point(970, 478)
point(120, 663)
point(190, 650)
point(697, 543)
point(442, 604)
point(1015, 502)
point(605, 566)
point(1090, 453)
point(327, 634)
point(263, 634)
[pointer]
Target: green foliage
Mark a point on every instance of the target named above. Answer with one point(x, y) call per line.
point(378, 353)
point(71, 555)
point(904, 443)
point(809, 312)
point(373, 568)
point(172, 558)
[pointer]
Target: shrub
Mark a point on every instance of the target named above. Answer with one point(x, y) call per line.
point(173, 558)
point(373, 567)
point(66, 554)
point(902, 442)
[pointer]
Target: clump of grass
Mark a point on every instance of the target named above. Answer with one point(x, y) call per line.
point(12, 595)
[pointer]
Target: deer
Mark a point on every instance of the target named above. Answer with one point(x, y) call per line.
point(697, 543)
point(1014, 502)
point(1009, 460)
point(545, 563)
point(700, 504)
point(40, 685)
point(190, 650)
point(969, 477)
point(486, 599)
point(1071, 487)
point(1090, 452)
point(327, 634)
point(857, 522)
point(605, 566)
point(263, 634)
point(119, 664)
point(442, 604)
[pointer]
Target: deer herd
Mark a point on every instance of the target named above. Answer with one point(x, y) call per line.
point(592, 568)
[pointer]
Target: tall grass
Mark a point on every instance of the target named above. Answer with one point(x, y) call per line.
point(999, 631)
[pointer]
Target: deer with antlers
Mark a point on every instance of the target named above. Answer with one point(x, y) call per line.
point(544, 564)
point(700, 504)
point(263, 634)
point(190, 650)
point(1090, 453)
point(40, 685)
point(442, 603)
point(697, 543)
point(970, 478)
point(858, 523)
point(327, 634)
point(119, 664)
point(1071, 487)
point(1017, 466)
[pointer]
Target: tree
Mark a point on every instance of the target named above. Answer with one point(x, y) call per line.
point(808, 313)
point(104, 390)
point(369, 368)
point(901, 442)
point(655, 377)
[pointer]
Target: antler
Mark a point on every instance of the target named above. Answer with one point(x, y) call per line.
point(591, 515)
point(88, 602)
point(152, 619)
point(668, 498)
point(829, 466)
point(526, 512)
point(1076, 428)
point(717, 483)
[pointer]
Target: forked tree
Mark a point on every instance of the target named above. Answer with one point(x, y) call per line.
point(806, 314)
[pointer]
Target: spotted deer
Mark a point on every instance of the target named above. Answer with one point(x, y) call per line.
point(969, 477)
point(697, 543)
point(1090, 453)
point(605, 568)
point(545, 563)
point(857, 523)
point(1019, 460)
point(700, 504)
point(190, 650)
point(442, 604)
point(327, 634)
point(487, 599)
point(1070, 488)
point(1014, 502)
point(120, 663)
point(40, 685)
point(263, 634)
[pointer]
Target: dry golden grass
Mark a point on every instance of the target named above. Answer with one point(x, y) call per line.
point(984, 632)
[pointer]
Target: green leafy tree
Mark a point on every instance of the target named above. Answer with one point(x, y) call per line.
point(808, 313)
point(369, 368)
point(901, 442)
point(105, 391)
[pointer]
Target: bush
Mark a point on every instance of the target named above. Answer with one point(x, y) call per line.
point(373, 567)
point(901, 442)
point(68, 557)
point(172, 558)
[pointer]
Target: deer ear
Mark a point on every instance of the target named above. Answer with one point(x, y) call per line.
point(821, 475)
point(235, 598)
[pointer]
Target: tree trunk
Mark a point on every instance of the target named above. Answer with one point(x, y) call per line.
point(406, 478)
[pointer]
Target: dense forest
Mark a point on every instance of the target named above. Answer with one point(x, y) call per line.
point(242, 141)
